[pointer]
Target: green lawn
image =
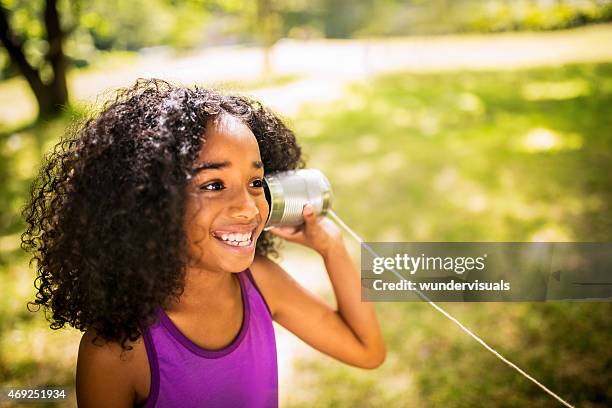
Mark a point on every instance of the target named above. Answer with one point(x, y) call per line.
point(472, 156)
point(464, 156)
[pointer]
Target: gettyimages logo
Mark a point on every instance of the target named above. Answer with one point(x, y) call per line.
point(414, 264)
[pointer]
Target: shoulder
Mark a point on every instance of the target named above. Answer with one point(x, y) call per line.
point(106, 373)
point(273, 282)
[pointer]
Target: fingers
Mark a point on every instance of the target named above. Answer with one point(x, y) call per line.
point(308, 213)
point(288, 233)
point(293, 233)
point(283, 231)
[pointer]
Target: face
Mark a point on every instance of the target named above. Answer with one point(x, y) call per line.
point(226, 205)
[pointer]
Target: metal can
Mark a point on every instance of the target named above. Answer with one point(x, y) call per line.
point(287, 192)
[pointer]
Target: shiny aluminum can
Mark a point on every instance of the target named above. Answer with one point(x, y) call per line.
point(287, 192)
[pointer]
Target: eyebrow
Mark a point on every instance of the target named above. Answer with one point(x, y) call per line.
point(220, 165)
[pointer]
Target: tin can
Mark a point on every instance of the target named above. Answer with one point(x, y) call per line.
point(287, 192)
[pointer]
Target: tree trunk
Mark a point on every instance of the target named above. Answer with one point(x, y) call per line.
point(58, 89)
point(266, 28)
point(53, 96)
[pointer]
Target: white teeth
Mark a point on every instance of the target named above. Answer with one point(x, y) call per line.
point(238, 243)
point(236, 237)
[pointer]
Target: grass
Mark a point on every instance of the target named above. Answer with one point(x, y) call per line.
point(484, 156)
point(488, 156)
point(470, 155)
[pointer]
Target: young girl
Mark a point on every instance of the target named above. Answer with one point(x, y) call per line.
point(147, 227)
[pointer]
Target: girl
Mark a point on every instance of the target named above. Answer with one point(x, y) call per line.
point(147, 227)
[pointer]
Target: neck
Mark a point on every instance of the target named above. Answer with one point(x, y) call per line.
point(204, 289)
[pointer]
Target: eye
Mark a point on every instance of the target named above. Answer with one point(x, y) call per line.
point(212, 186)
point(218, 186)
point(258, 183)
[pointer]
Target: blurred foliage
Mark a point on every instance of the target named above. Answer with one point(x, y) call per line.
point(472, 156)
point(369, 18)
point(97, 25)
point(398, 17)
point(114, 24)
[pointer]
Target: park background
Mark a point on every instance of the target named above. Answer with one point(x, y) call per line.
point(434, 121)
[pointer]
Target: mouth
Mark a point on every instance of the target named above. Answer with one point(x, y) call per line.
point(242, 242)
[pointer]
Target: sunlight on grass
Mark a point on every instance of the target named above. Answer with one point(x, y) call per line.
point(543, 140)
point(534, 91)
point(390, 234)
point(353, 174)
point(469, 102)
point(465, 156)
point(311, 128)
point(429, 123)
point(402, 118)
point(368, 144)
point(552, 233)
point(391, 162)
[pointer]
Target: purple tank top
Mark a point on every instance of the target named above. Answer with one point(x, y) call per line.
point(243, 374)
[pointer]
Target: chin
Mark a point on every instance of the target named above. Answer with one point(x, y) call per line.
point(238, 267)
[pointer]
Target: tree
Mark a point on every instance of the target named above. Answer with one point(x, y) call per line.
point(50, 95)
point(268, 24)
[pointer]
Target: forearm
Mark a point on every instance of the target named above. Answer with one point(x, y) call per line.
point(359, 316)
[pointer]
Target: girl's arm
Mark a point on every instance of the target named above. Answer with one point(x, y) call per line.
point(351, 333)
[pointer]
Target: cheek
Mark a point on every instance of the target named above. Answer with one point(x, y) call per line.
point(264, 208)
point(197, 222)
point(196, 232)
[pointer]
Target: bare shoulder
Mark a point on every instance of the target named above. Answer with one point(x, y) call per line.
point(108, 375)
point(264, 270)
point(274, 282)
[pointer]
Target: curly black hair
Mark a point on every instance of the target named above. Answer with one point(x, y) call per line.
point(105, 211)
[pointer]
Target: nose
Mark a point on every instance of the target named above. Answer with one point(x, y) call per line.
point(243, 205)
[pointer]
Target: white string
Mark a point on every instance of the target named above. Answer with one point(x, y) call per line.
point(454, 320)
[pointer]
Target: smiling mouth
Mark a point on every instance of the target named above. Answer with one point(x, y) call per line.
point(236, 239)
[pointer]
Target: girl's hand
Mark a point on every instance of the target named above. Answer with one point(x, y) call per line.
point(318, 233)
